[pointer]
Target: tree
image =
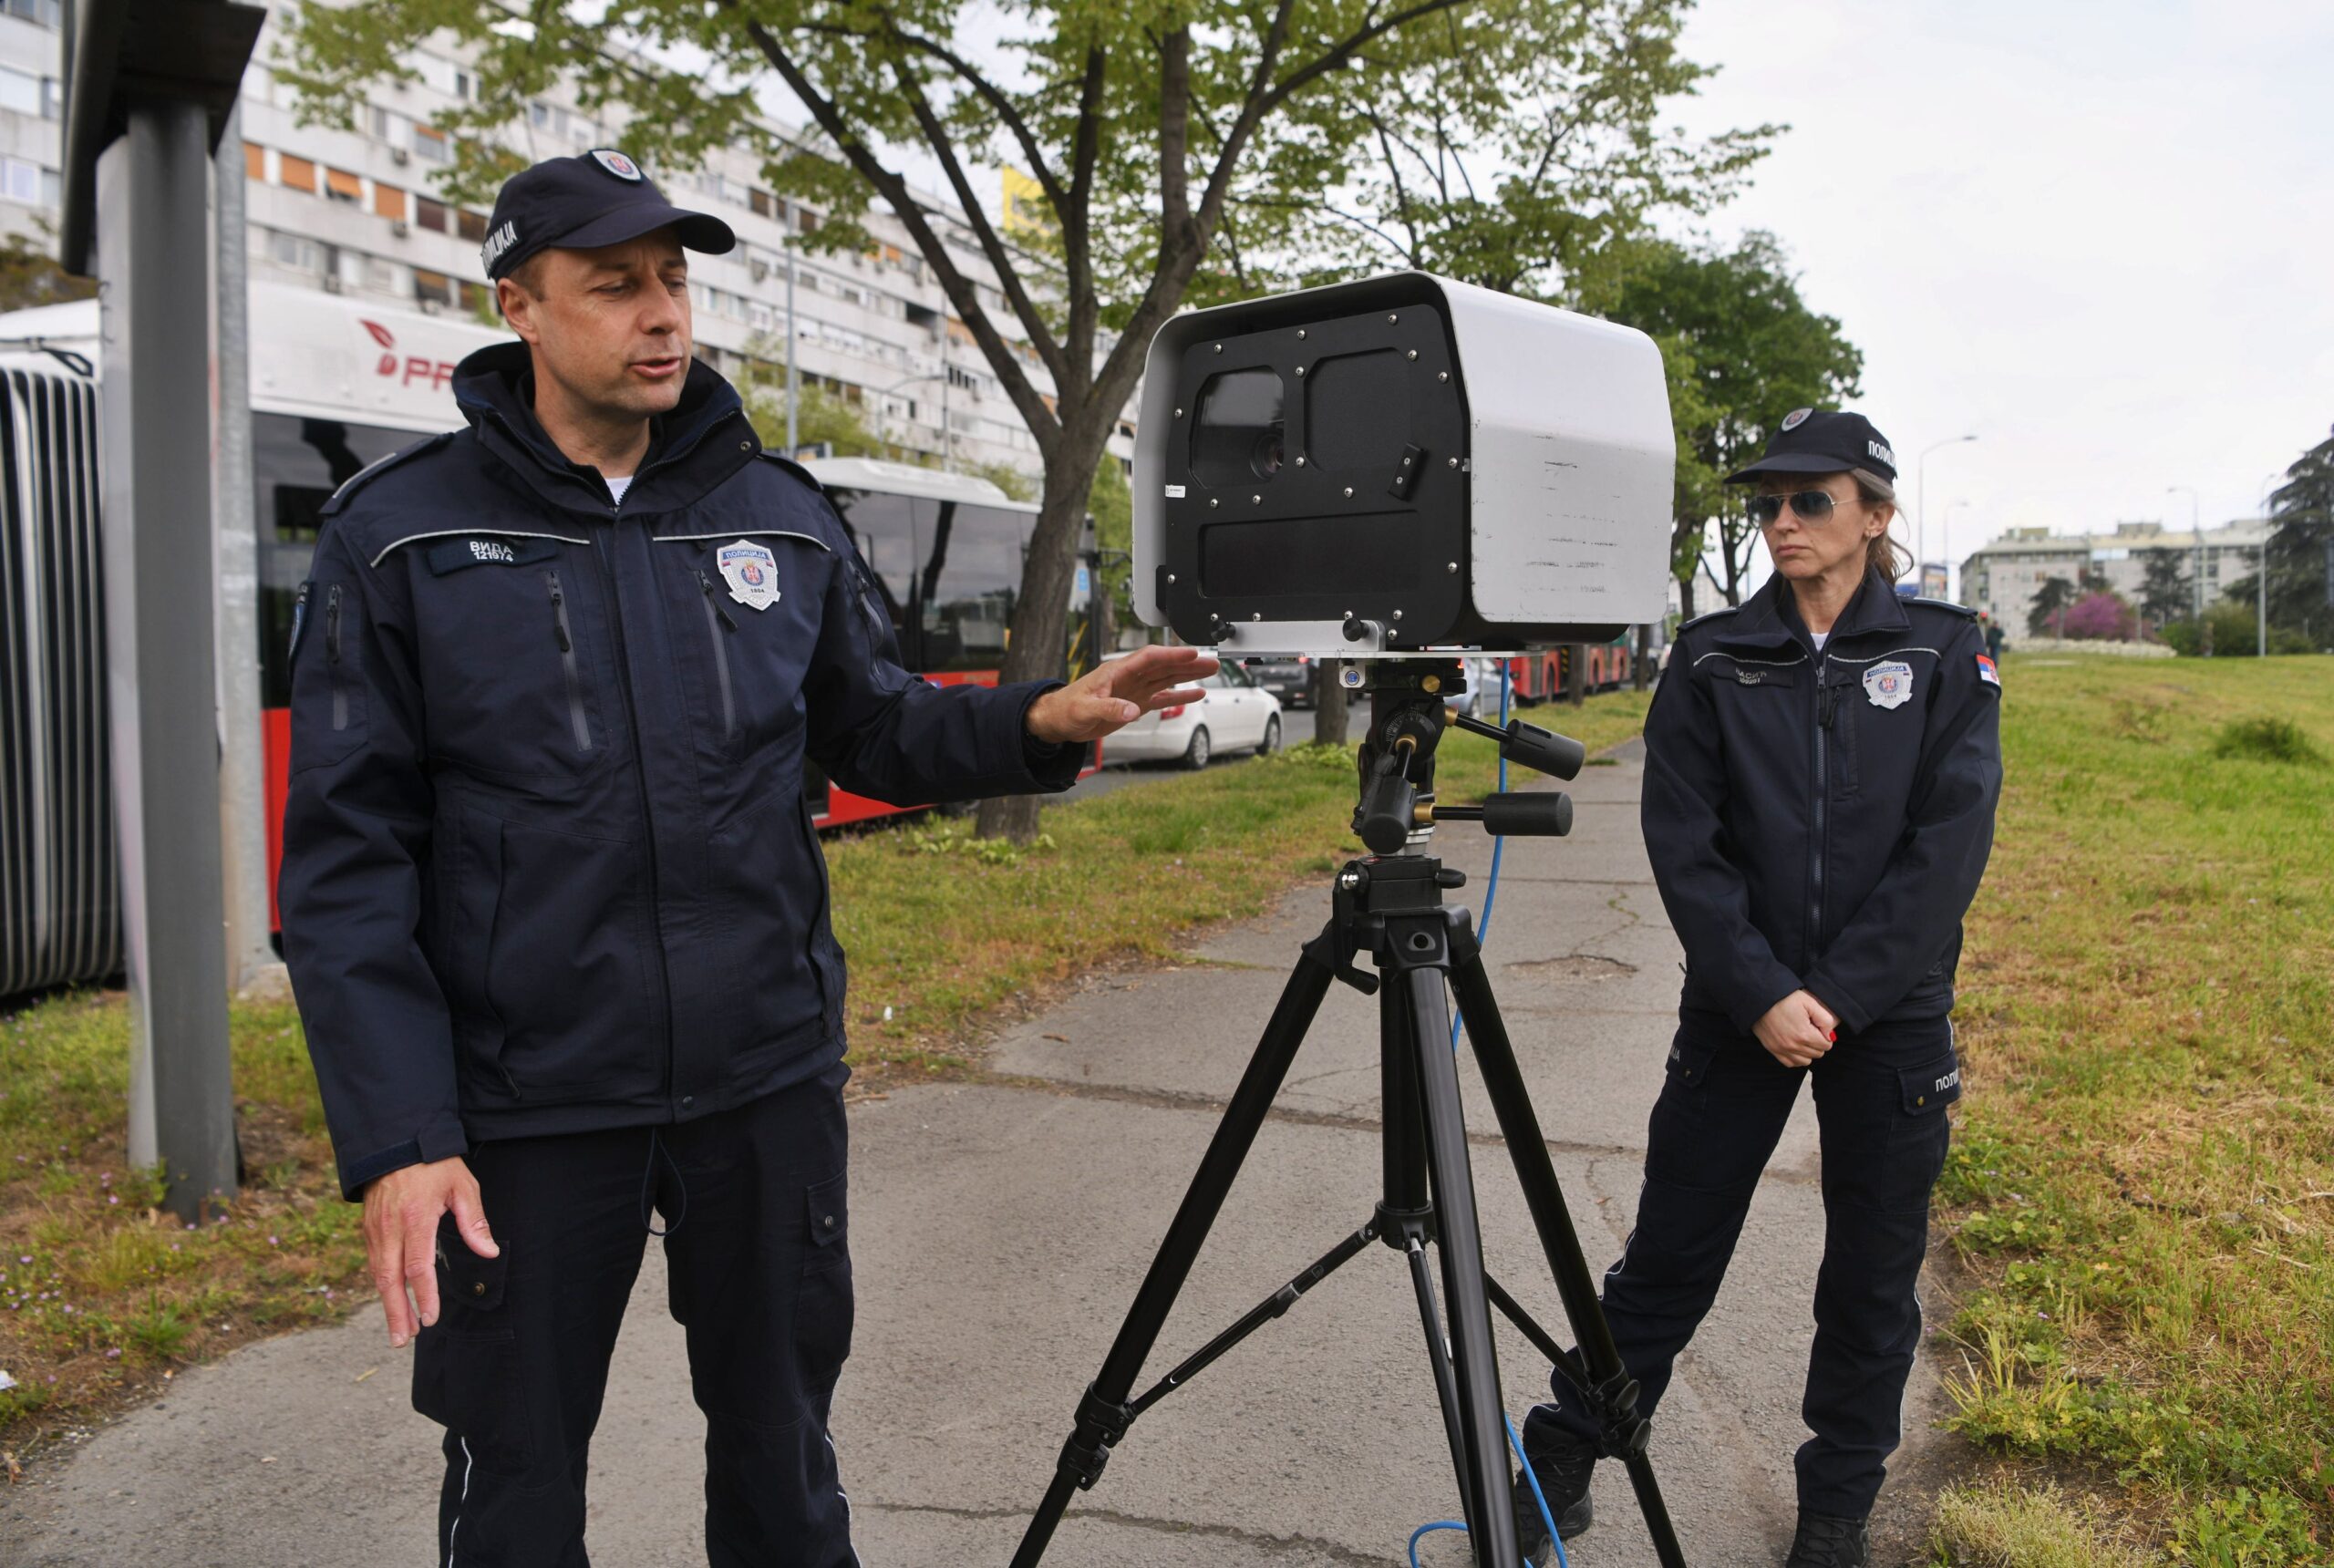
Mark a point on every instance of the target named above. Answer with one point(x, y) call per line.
point(1157, 137)
point(2165, 593)
point(2301, 551)
point(1743, 350)
point(2100, 615)
point(30, 275)
point(2049, 600)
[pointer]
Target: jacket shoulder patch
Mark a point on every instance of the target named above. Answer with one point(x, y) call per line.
point(1717, 614)
point(371, 472)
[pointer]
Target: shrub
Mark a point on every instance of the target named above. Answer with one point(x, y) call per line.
point(2100, 617)
point(2266, 739)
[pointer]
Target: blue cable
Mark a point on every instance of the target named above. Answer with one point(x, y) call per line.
point(1538, 1497)
point(1482, 930)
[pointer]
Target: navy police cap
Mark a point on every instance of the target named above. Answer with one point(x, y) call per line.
point(595, 198)
point(1821, 441)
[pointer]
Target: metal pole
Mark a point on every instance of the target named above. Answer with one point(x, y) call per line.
point(793, 349)
point(1920, 501)
point(243, 747)
point(153, 187)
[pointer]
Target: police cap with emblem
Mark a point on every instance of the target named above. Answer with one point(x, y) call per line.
point(1821, 441)
point(595, 198)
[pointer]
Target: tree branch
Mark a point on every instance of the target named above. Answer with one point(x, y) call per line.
point(1009, 276)
point(1077, 232)
point(1045, 424)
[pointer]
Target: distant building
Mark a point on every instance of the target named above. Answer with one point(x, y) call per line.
point(355, 212)
point(2003, 578)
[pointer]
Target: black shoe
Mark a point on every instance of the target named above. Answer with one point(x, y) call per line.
point(1563, 1469)
point(1824, 1541)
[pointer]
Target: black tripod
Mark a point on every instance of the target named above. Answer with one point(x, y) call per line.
point(1391, 906)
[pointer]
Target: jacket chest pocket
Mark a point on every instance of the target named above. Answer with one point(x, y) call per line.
point(511, 643)
point(749, 609)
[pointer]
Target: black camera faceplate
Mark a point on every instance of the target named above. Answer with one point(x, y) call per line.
point(1377, 531)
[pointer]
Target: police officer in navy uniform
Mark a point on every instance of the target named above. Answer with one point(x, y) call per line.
point(555, 914)
point(1822, 766)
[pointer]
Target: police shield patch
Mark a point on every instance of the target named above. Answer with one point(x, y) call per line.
point(751, 572)
point(1889, 684)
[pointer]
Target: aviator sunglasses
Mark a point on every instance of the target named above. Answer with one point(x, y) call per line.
point(1813, 506)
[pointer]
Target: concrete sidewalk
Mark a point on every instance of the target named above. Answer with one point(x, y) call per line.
point(1000, 1231)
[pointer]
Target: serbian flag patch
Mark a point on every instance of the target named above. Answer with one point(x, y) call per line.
point(1986, 673)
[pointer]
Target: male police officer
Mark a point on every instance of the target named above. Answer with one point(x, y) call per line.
point(553, 908)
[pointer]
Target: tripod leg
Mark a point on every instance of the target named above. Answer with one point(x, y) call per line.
point(1519, 1124)
point(1102, 1414)
point(1438, 1357)
point(1484, 1480)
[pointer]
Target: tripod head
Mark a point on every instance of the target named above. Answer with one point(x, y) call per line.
point(1407, 720)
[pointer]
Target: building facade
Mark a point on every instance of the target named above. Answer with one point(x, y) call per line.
point(2004, 578)
point(357, 213)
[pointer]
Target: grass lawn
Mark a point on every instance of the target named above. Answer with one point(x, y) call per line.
point(101, 1296)
point(2142, 1181)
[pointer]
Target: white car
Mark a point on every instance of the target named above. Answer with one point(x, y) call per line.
point(1235, 714)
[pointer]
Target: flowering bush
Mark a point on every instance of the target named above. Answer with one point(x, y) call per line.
point(2103, 617)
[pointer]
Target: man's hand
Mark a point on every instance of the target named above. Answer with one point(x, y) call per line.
point(1117, 692)
point(1797, 1029)
point(401, 1211)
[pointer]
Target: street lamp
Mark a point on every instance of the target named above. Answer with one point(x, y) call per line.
point(1920, 495)
point(947, 447)
point(1945, 537)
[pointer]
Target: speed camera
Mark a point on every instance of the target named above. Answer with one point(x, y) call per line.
point(1400, 464)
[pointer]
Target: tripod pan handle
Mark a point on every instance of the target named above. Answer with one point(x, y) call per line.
point(1543, 813)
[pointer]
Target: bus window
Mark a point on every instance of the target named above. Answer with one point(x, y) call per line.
point(883, 527)
point(967, 578)
point(296, 464)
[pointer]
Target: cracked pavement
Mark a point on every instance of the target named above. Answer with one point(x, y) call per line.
point(1001, 1227)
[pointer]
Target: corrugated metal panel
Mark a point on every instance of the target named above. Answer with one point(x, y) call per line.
point(60, 915)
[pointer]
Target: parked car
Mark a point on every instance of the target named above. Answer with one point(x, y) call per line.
point(1289, 679)
point(1478, 697)
point(1235, 714)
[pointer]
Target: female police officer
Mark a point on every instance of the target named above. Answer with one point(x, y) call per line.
point(1821, 770)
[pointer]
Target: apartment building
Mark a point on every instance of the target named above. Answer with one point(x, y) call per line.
point(357, 212)
point(2004, 577)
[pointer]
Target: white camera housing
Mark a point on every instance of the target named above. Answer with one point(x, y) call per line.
point(1399, 465)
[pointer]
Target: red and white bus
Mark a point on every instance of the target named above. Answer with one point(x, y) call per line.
point(337, 384)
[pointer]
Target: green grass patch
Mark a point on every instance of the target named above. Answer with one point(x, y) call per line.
point(103, 1296)
point(2142, 1181)
point(2002, 1524)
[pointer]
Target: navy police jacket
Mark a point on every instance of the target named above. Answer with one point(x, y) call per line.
point(1821, 819)
point(547, 862)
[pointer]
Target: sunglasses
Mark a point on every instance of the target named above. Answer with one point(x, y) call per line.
point(1813, 506)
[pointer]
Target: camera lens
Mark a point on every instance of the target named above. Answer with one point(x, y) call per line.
point(1264, 460)
point(1236, 428)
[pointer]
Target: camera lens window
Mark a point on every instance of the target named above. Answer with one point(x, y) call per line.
point(1237, 435)
point(1357, 412)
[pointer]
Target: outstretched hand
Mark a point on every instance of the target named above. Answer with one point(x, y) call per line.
point(1117, 692)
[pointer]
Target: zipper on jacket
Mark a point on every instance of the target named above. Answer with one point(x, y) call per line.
point(1825, 705)
point(601, 550)
point(718, 624)
point(567, 662)
point(332, 658)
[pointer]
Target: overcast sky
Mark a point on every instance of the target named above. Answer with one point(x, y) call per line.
point(2099, 236)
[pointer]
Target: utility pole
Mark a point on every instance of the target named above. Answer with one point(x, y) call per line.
point(242, 749)
point(148, 89)
point(793, 350)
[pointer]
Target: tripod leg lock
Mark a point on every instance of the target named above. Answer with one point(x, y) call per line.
point(1101, 1425)
point(1623, 1434)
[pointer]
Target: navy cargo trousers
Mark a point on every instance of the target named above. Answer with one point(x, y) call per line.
point(757, 1243)
point(1880, 1101)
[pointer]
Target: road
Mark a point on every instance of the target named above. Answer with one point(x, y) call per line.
point(1001, 1227)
